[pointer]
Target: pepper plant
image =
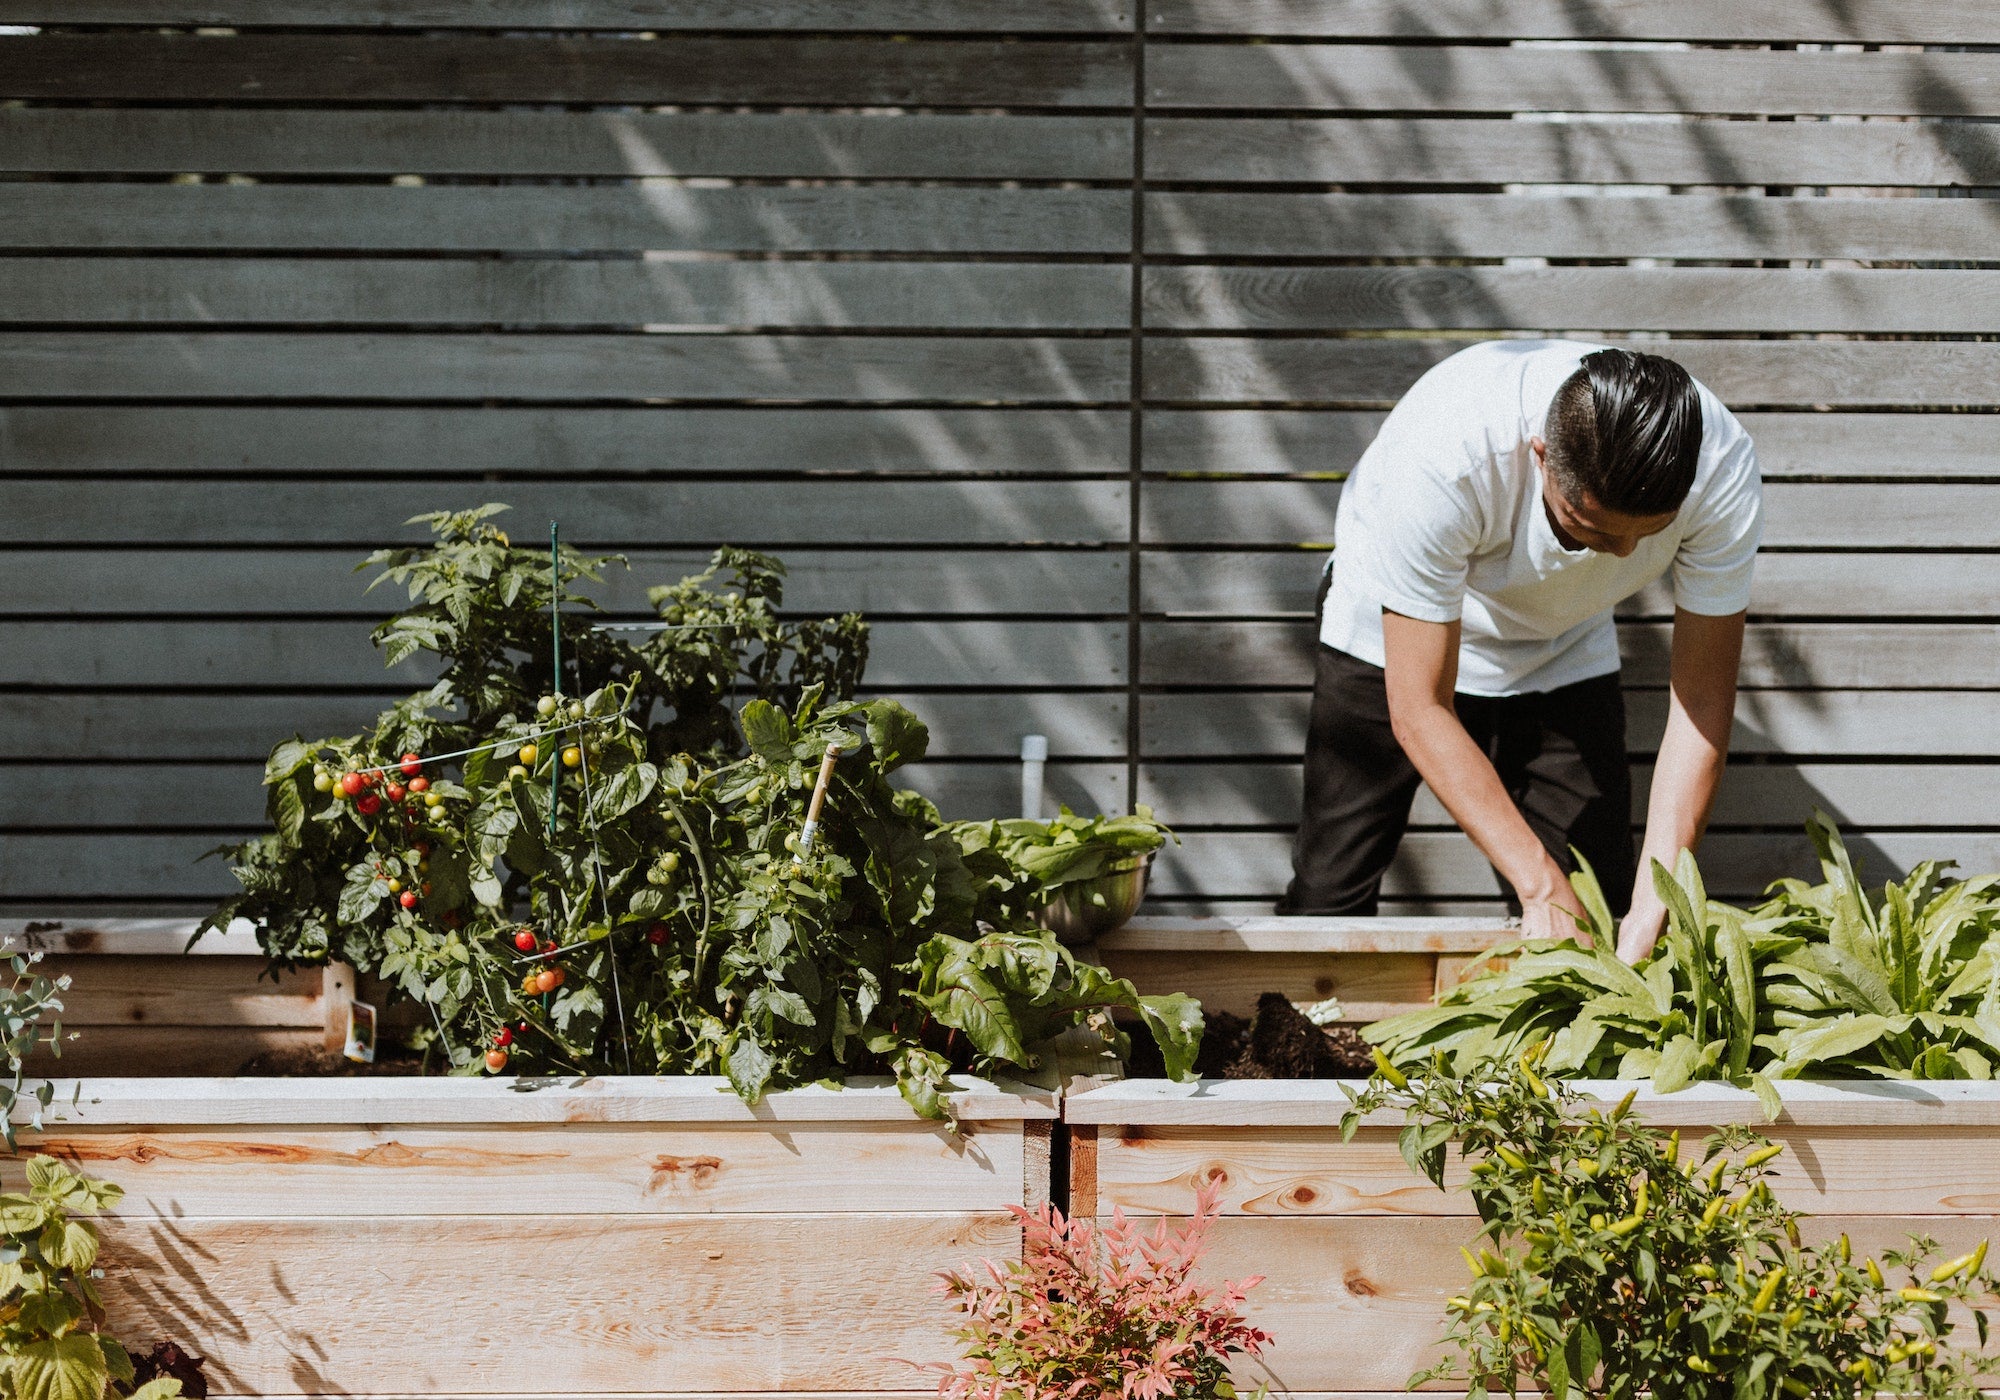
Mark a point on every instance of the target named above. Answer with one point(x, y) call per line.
point(1821, 980)
point(1610, 1264)
point(52, 1346)
point(617, 878)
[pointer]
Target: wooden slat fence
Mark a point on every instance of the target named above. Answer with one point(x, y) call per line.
point(1043, 332)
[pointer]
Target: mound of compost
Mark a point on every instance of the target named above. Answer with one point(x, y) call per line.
point(1276, 1042)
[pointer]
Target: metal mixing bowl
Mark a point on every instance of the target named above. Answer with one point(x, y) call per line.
point(1088, 909)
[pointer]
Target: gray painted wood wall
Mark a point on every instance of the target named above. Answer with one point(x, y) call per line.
point(1043, 331)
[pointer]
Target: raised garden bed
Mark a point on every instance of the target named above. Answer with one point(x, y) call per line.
point(509, 1237)
point(1360, 1254)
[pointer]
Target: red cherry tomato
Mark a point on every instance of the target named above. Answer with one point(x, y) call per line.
point(368, 804)
point(396, 792)
point(408, 899)
point(656, 935)
point(504, 1038)
point(549, 946)
point(496, 1060)
point(525, 940)
point(423, 848)
point(352, 783)
point(420, 784)
point(413, 764)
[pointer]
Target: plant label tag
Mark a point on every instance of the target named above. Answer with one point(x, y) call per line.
point(360, 1045)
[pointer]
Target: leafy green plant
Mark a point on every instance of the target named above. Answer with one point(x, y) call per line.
point(1099, 1312)
point(28, 1002)
point(1819, 979)
point(619, 878)
point(1610, 1266)
point(1070, 848)
point(51, 1337)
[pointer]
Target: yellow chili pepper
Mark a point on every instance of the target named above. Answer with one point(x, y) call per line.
point(1846, 1250)
point(1919, 1295)
point(1705, 1270)
point(1674, 1149)
point(1763, 1154)
point(1769, 1291)
point(1701, 1365)
point(1794, 1386)
point(1510, 1157)
point(1624, 1105)
point(1535, 1084)
point(1965, 1263)
point(1640, 1194)
point(1795, 1317)
point(1874, 1273)
point(1387, 1070)
point(1715, 1173)
point(1538, 1194)
point(1626, 1226)
point(1712, 1210)
point(1587, 1165)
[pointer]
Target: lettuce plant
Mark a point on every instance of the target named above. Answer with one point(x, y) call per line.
point(1611, 1265)
point(1824, 980)
point(1099, 1312)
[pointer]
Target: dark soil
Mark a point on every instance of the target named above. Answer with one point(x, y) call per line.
point(166, 1359)
point(331, 1064)
point(1278, 1042)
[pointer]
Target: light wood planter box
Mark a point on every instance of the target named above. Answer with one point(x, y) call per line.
point(433, 1237)
point(1377, 967)
point(1359, 1254)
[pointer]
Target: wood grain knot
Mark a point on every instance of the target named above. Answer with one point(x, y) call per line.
point(1357, 1283)
point(696, 1172)
point(1300, 1196)
point(1213, 1174)
point(1323, 985)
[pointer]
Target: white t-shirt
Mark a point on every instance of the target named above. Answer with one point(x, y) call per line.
point(1443, 520)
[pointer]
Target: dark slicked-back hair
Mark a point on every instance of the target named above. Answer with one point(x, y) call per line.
point(1626, 427)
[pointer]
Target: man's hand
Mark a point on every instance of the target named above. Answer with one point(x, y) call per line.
point(1639, 930)
point(1421, 677)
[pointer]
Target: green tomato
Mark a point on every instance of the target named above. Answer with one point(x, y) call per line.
point(576, 710)
point(545, 706)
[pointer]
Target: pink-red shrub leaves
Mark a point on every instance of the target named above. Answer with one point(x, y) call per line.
point(1091, 1312)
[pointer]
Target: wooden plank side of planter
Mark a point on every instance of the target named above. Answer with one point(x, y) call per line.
point(361, 1171)
point(1370, 985)
point(1358, 1254)
point(478, 1304)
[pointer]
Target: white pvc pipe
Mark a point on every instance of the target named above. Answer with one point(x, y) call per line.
point(1034, 754)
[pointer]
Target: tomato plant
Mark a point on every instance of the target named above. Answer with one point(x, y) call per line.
point(670, 926)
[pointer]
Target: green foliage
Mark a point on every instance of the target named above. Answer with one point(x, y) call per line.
point(28, 1001)
point(1070, 848)
point(1819, 979)
point(1610, 1267)
point(50, 1310)
point(650, 841)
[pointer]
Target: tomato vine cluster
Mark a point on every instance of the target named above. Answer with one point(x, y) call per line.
point(613, 878)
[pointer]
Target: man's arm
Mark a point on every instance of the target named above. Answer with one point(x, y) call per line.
point(1421, 673)
point(1692, 755)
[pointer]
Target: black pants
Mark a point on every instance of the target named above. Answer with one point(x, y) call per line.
point(1560, 753)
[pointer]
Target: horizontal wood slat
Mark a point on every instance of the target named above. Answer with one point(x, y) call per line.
point(560, 442)
point(1490, 298)
point(110, 990)
point(1750, 374)
point(374, 68)
point(1866, 21)
point(238, 727)
point(1956, 724)
point(698, 1303)
point(643, 514)
point(1361, 78)
point(1257, 865)
point(1857, 795)
point(1241, 223)
point(653, 217)
point(705, 296)
point(608, 1169)
point(81, 582)
point(221, 365)
point(231, 796)
point(680, 144)
point(308, 655)
point(1416, 151)
point(1192, 584)
point(1797, 515)
point(825, 15)
point(1779, 656)
point(1278, 441)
